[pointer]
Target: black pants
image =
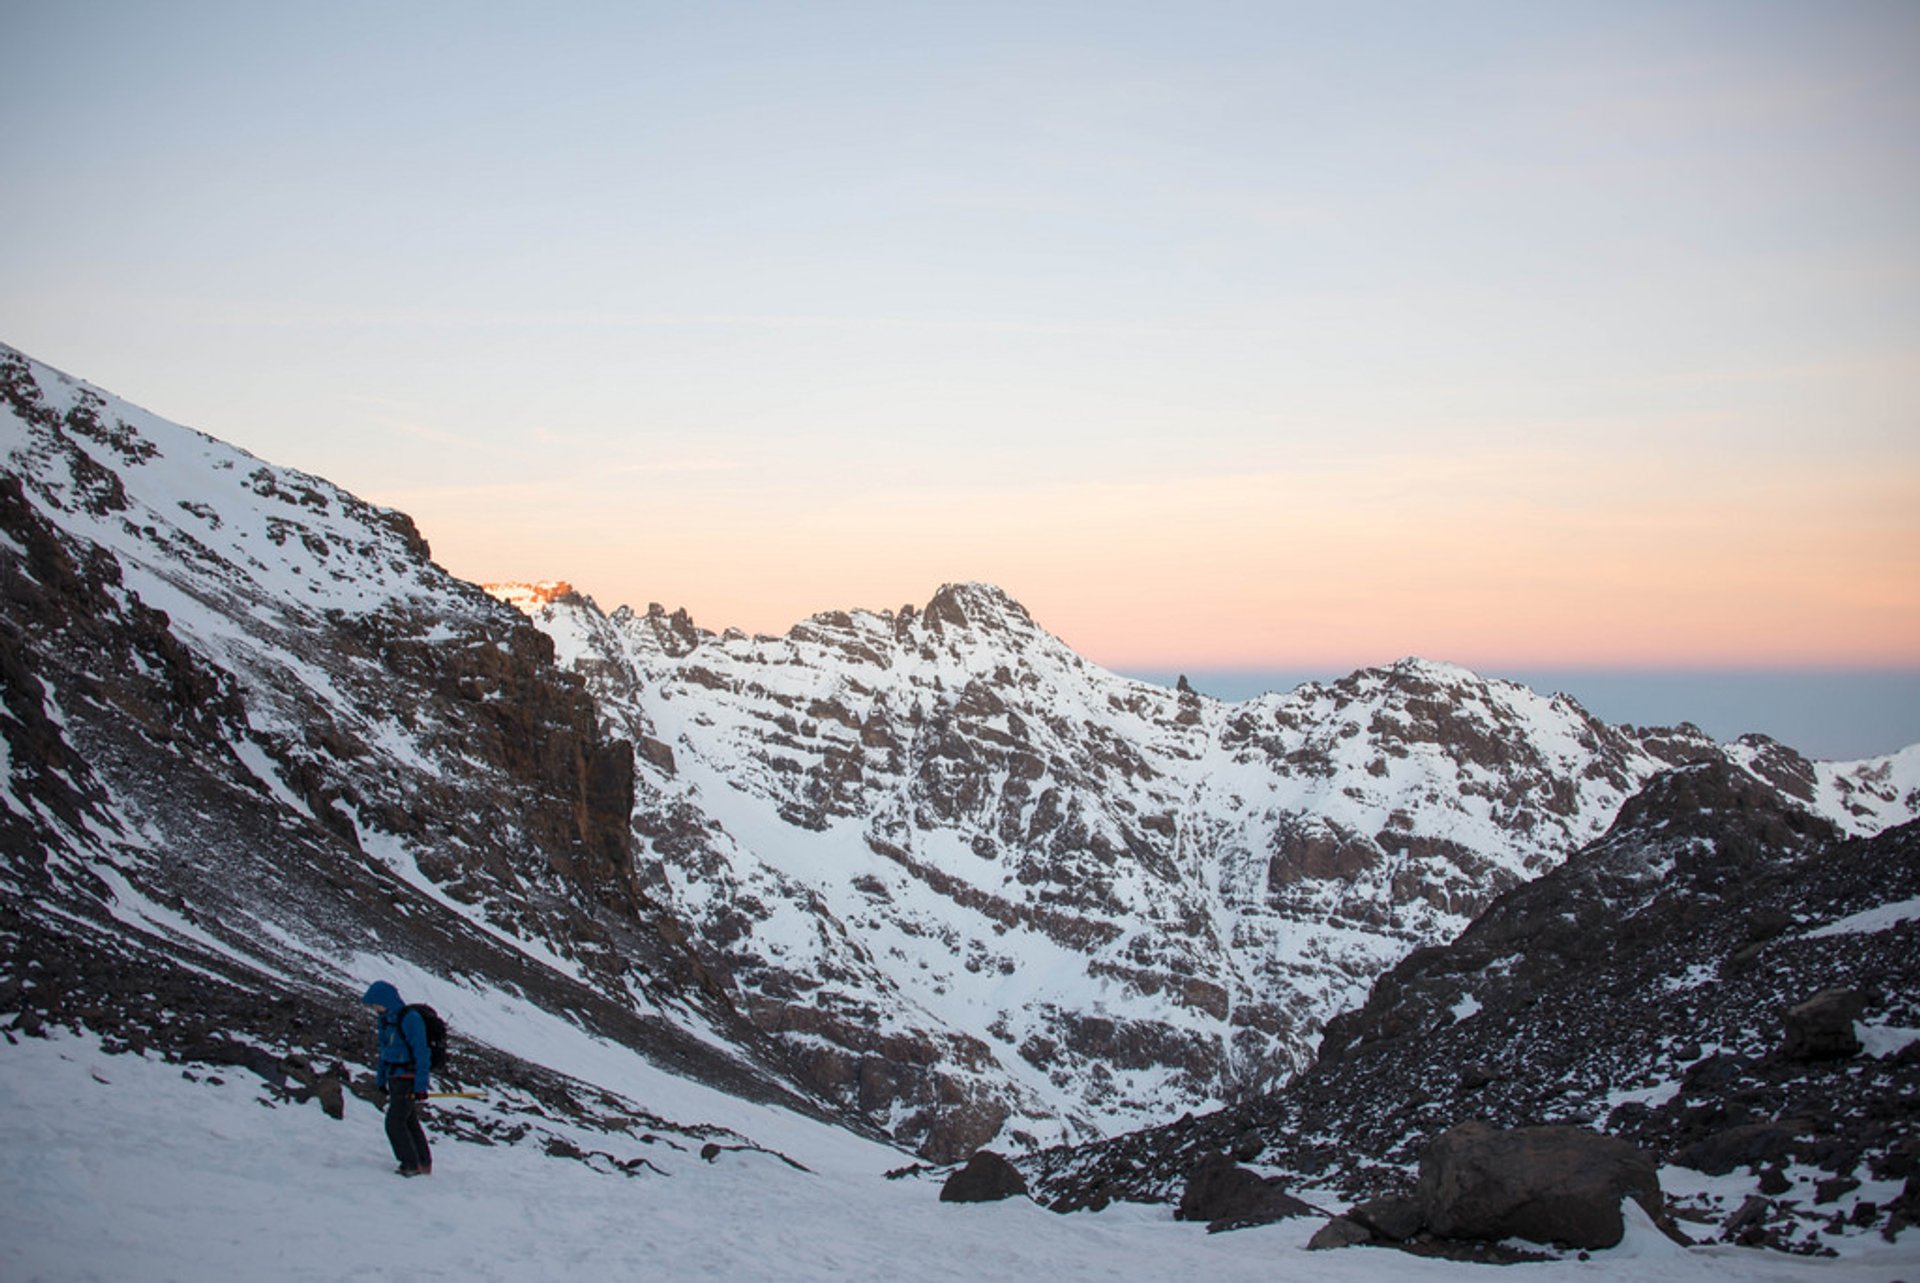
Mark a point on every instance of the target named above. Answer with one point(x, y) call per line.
point(404, 1132)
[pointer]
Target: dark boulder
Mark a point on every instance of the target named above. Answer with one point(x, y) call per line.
point(1821, 1028)
point(1748, 1145)
point(1475, 1076)
point(330, 1092)
point(1229, 1197)
point(1543, 1184)
point(1393, 1219)
point(987, 1178)
point(1716, 1074)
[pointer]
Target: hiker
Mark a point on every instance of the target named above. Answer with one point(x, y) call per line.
point(401, 1070)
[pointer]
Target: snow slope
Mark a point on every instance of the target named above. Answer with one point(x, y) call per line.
point(119, 1168)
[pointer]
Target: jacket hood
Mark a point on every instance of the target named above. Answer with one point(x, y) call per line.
point(382, 993)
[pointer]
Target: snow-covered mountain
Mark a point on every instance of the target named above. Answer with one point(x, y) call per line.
point(927, 867)
point(712, 917)
point(985, 886)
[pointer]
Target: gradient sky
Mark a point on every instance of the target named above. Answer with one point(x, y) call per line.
point(1220, 334)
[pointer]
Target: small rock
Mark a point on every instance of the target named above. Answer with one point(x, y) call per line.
point(1391, 1218)
point(1828, 1190)
point(1475, 1076)
point(1747, 1225)
point(1748, 1145)
point(1821, 1028)
point(1229, 1197)
point(1339, 1232)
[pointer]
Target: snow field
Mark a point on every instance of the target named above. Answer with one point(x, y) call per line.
point(118, 1167)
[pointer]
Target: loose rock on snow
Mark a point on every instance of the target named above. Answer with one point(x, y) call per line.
point(1544, 1184)
point(1227, 1196)
point(987, 1178)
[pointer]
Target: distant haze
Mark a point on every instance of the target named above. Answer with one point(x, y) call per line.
point(1839, 715)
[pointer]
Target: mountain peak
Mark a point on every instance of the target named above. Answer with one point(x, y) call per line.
point(974, 605)
point(530, 597)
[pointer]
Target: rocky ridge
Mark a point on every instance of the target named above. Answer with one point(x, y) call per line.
point(1725, 981)
point(987, 887)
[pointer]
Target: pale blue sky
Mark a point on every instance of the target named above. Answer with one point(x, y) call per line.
point(1518, 334)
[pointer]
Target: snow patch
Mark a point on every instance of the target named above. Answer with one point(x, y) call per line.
point(1880, 1041)
point(1868, 921)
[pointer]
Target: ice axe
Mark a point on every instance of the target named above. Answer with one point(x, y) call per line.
point(463, 1095)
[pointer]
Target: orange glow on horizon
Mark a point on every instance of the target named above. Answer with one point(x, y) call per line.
point(1526, 560)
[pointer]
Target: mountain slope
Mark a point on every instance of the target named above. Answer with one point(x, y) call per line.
point(1645, 988)
point(984, 884)
point(258, 750)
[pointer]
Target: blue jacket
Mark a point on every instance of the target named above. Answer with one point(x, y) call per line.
point(403, 1038)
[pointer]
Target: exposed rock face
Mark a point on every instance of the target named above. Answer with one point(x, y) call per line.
point(988, 888)
point(1590, 997)
point(1555, 1185)
point(987, 1178)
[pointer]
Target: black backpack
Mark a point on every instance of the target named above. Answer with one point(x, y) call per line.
point(436, 1034)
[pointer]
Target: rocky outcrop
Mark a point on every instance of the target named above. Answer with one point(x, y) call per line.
point(1560, 1187)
